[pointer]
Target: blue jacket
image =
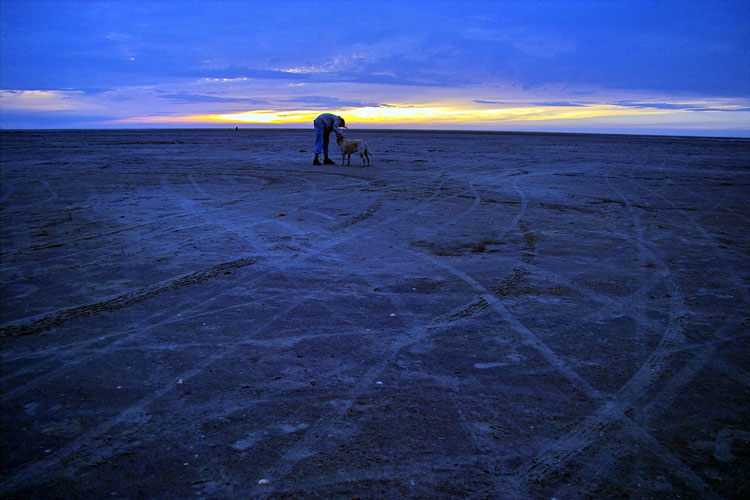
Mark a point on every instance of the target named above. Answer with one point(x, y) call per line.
point(328, 122)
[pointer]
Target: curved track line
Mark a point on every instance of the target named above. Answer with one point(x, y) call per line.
point(82, 352)
point(706, 353)
point(52, 461)
point(528, 337)
point(62, 315)
point(636, 387)
point(55, 459)
point(606, 417)
point(305, 446)
point(587, 432)
point(36, 324)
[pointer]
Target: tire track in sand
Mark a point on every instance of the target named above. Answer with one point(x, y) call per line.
point(614, 412)
point(54, 460)
point(30, 326)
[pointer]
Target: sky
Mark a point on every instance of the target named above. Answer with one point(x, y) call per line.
point(630, 66)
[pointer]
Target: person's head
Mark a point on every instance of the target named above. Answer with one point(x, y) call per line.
point(342, 123)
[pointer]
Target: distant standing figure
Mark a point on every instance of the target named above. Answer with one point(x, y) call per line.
point(324, 125)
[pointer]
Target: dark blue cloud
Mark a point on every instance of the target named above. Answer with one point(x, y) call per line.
point(52, 120)
point(678, 106)
point(315, 101)
point(546, 103)
point(240, 72)
point(187, 97)
point(415, 77)
point(673, 45)
point(662, 46)
point(559, 104)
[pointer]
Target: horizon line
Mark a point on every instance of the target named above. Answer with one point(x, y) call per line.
point(237, 128)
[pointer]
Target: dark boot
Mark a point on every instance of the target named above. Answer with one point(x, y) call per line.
point(328, 161)
point(316, 162)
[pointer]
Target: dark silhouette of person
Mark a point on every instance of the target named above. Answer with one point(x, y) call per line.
point(324, 125)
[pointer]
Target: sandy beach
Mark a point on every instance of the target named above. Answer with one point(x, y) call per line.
point(205, 314)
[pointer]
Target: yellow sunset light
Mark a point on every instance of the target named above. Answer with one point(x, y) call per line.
point(451, 114)
point(266, 116)
point(390, 114)
point(408, 115)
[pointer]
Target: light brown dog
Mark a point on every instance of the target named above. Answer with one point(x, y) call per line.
point(349, 146)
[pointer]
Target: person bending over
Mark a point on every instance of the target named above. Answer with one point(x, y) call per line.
point(324, 125)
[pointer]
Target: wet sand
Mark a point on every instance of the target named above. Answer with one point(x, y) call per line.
point(205, 314)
